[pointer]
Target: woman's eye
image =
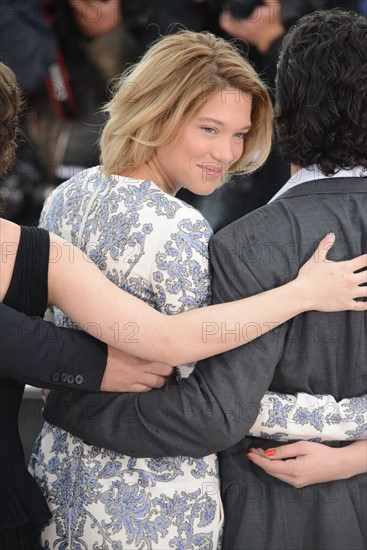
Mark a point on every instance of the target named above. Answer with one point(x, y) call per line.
point(208, 129)
point(240, 135)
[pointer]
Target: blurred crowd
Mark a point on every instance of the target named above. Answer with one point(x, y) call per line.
point(66, 54)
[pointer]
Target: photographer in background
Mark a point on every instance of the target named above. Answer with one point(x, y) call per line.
point(259, 24)
point(66, 54)
point(262, 24)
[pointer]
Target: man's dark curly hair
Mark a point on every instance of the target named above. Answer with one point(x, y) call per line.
point(321, 98)
point(10, 106)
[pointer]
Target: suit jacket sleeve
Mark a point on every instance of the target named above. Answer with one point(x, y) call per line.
point(209, 411)
point(36, 352)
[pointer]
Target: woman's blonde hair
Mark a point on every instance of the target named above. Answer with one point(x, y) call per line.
point(155, 97)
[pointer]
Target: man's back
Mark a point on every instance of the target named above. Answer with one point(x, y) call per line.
point(322, 353)
point(314, 353)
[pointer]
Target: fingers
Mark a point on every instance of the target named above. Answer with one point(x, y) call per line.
point(285, 451)
point(153, 381)
point(361, 278)
point(274, 468)
point(358, 263)
point(358, 306)
point(278, 469)
point(359, 281)
point(160, 368)
point(140, 388)
point(323, 249)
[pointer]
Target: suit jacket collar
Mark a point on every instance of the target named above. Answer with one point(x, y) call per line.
point(330, 186)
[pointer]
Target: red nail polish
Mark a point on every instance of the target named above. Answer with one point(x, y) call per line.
point(249, 457)
point(270, 452)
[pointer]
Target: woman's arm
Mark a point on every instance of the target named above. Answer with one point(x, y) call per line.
point(36, 352)
point(216, 406)
point(285, 417)
point(86, 296)
point(305, 463)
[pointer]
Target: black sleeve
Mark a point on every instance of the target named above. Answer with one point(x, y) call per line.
point(36, 352)
point(209, 411)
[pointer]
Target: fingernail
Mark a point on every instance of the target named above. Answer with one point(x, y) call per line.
point(270, 452)
point(249, 457)
point(331, 233)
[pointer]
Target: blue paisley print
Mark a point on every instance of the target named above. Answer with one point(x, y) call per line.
point(317, 418)
point(155, 247)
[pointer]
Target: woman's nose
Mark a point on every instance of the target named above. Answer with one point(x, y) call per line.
point(225, 153)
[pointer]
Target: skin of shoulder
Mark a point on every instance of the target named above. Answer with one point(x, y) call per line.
point(9, 240)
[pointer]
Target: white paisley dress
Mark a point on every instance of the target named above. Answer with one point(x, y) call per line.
point(155, 247)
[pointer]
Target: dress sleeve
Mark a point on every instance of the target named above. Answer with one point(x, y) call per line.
point(181, 276)
point(284, 417)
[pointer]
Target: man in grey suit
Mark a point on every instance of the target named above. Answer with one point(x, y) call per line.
point(322, 127)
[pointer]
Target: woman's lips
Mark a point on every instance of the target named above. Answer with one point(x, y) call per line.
point(211, 171)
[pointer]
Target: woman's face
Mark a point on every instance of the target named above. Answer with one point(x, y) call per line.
point(204, 149)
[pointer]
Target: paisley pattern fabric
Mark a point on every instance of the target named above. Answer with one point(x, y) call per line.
point(156, 247)
point(317, 418)
point(106, 501)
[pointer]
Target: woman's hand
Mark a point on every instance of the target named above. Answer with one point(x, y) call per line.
point(333, 286)
point(126, 373)
point(305, 463)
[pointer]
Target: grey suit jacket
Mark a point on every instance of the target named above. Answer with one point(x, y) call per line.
point(214, 408)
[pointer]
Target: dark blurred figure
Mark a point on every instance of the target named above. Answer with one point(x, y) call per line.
point(63, 53)
point(263, 30)
point(292, 10)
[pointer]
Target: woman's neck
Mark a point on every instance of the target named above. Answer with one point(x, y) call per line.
point(152, 171)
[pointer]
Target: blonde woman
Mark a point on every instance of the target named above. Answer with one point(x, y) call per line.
point(192, 111)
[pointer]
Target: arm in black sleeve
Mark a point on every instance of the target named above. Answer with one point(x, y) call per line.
point(209, 411)
point(36, 352)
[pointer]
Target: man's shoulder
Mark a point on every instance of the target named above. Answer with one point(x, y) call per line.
point(270, 243)
point(264, 221)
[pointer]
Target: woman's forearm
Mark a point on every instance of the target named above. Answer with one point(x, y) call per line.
point(119, 319)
